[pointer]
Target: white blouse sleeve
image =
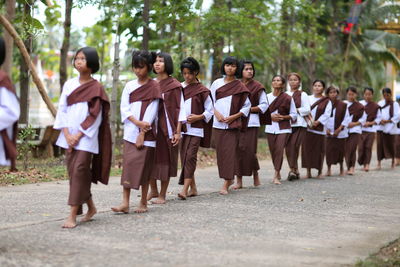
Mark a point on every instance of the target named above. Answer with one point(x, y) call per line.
point(9, 108)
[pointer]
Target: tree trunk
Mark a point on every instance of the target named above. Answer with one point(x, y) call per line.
point(283, 46)
point(10, 14)
point(65, 44)
point(146, 29)
point(114, 93)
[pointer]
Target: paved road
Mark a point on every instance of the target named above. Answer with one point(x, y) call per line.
point(328, 222)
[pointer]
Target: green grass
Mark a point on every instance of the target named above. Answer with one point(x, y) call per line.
point(388, 256)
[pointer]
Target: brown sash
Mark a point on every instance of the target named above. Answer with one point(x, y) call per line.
point(321, 106)
point(256, 89)
point(147, 93)
point(371, 108)
point(357, 110)
point(10, 145)
point(340, 107)
point(282, 104)
point(391, 108)
point(297, 98)
point(239, 93)
point(93, 93)
point(199, 94)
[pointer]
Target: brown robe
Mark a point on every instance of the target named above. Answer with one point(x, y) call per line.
point(256, 88)
point(372, 111)
point(167, 154)
point(10, 145)
point(282, 104)
point(386, 142)
point(137, 163)
point(357, 110)
point(335, 147)
point(321, 106)
point(367, 138)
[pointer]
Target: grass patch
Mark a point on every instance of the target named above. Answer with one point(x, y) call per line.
point(388, 256)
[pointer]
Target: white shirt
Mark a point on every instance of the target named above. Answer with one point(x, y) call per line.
point(72, 116)
point(223, 105)
point(362, 120)
point(391, 127)
point(302, 111)
point(274, 127)
point(9, 114)
point(254, 119)
point(323, 119)
point(330, 125)
point(131, 131)
point(208, 113)
point(377, 120)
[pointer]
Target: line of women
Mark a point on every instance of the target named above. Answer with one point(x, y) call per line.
point(164, 118)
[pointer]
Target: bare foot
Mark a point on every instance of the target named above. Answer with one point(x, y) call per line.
point(159, 201)
point(225, 188)
point(257, 181)
point(319, 176)
point(350, 172)
point(151, 195)
point(276, 181)
point(122, 208)
point(182, 196)
point(142, 208)
point(90, 213)
point(341, 173)
point(69, 223)
point(193, 193)
point(237, 186)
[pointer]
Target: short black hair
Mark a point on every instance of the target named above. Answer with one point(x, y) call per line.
point(2, 51)
point(230, 61)
point(280, 76)
point(386, 90)
point(142, 58)
point(242, 64)
point(92, 58)
point(191, 64)
point(319, 81)
point(331, 88)
point(369, 89)
point(351, 88)
point(168, 63)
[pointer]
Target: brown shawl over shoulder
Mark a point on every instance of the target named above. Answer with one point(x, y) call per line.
point(146, 93)
point(357, 110)
point(282, 104)
point(391, 108)
point(239, 93)
point(371, 108)
point(199, 94)
point(256, 88)
point(93, 93)
point(340, 107)
point(10, 146)
point(321, 106)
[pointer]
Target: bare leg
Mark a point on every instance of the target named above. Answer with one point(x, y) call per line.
point(308, 173)
point(256, 178)
point(379, 166)
point(225, 188)
point(277, 177)
point(70, 222)
point(91, 211)
point(193, 188)
point(163, 193)
point(239, 183)
point(183, 194)
point(350, 171)
point(124, 207)
point(393, 163)
point(153, 189)
point(329, 172)
point(319, 174)
point(341, 169)
point(142, 208)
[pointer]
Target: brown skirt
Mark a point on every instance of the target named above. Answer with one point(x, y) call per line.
point(313, 152)
point(398, 146)
point(226, 142)
point(293, 145)
point(166, 166)
point(80, 176)
point(365, 148)
point(335, 148)
point(350, 152)
point(137, 165)
point(246, 161)
point(189, 148)
point(276, 144)
point(385, 146)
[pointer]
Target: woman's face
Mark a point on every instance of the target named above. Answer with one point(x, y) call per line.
point(332, 94)
point(230, 69)
point(294, 82)
point(318, 88)
point(248, 71)
point(159, 65)
point(80, 63)
point(188, 75)
point(368, 96)
point(351, 96)
point(141, 72)
point(277, 83)
point(387, 97)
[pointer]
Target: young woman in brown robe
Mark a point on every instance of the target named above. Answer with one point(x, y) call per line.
point(231, 104)
point(199, 111)
point(313, 151)
point(369, 128)
point(82, 118)
point(247, 162)
point(336, 131)
point(171, 115)
point(139, 108)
